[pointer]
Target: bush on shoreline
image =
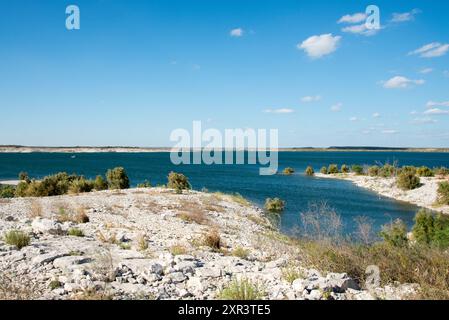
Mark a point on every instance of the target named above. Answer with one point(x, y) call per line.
point(407, 181)
point(373, 171)
point(288, 171)
point(357, 169)
point(117, 178)
point(274, 205)
point(178, 181)
point(310, 171)
point(424, 172)
point(344, 169)
point(323, 170)
point(332, 169)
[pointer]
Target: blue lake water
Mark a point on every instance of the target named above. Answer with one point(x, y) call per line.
point(297, 190)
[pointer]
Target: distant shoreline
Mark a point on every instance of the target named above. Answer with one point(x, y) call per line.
point(81, 149)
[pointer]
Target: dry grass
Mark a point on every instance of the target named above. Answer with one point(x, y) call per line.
point(241, 252)
point(17, 287)
point(193, 212)
point(65, 214)
point(142, 243)
point(36, 210)
point(212, 239)
point(178, 249)
point(111, 238)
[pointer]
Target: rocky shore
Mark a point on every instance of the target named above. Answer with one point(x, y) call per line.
point(151, 243)
point(424, 196)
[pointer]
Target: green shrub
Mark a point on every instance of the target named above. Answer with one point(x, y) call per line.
point(288, 171)
point(373, 171)
point(387, 171)
point(75, 232)
point(178, 181)
point(145, 184)
point(443, 193)
point(17, 238)
point(407, 181)
point(242, 289)
point(323, 170)
point(274, 205)
point(431, 229)
point(357, 169)
point(240, 252)
point(395, 233)
point(7, 191)
point(344, 169)
point(81, 185)
point(100, 184)
point(55, 284)
point(424, 172)
point(309, 171)
point(117, 178)
point(332, 169)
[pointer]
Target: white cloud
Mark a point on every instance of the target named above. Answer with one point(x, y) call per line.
point(336, 107)
point(424, 120)
point(376, 115)
point(436, 111)
point(238, 32)
point(432, 104)
point(310, 98)
point(431, 50)
point(400, 82)
point(389, 131)
point(281, 110)
point(360, 29)
point(319, 46)
point(353, 119)
point(352, 18)
point(426, 70)
point(406, 16)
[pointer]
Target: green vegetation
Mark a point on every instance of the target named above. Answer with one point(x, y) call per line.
point(288, 171)
point(80, 185)
point(443, 193)
point(395, 233)
point(178, 181)
point(117, 178)
point(23, 176)
point(333, 168)
point(17, 238)
point(100, 183)
point(310, 171)
point(240, 252)
point(75, 232)
point(387, 171)
point(145, 184)
point(275, 205)
point(242, 289)
point(323, 170)
point(357, 169)
point(373, 171)
point(431, 230)
point(424, 172)
point(407, 181)
point(55, 284)
point(344, 169)
point(441, 172)
point(7, 191)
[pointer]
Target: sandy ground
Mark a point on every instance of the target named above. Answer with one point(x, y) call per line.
point(425, 196)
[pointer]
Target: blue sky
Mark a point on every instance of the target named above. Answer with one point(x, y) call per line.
point(136, 70)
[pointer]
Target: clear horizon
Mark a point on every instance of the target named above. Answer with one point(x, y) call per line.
point(135, 71)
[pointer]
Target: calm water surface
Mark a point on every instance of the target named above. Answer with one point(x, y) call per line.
point(297, 190)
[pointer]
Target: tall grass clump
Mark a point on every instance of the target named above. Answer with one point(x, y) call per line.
point(117, 178)
point(178, 182)
point(243, 289)
point(407, 181)
point(344, 169)
point(274, 205)
point(100, 183)
point(17, 238)
point(387, 171)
